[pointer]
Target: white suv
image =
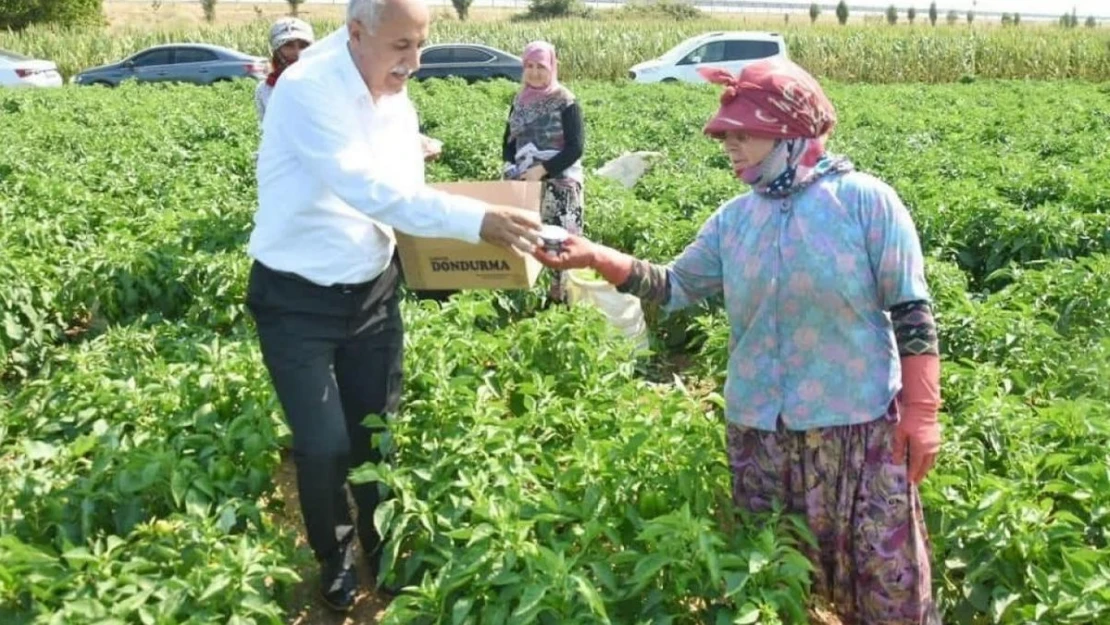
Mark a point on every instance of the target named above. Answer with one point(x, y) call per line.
point(727, 50)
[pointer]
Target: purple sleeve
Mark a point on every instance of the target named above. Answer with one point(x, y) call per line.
point(893, 247)
point(692, 277)
point(697, 273)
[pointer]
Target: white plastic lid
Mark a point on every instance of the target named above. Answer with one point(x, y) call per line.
point(553, 233)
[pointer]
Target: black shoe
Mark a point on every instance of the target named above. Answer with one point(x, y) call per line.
point(373, 562)
point(339, 581)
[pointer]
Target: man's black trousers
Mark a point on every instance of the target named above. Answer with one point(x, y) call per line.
point(334, 355)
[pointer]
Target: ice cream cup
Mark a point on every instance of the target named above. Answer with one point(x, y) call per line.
point(553, 238)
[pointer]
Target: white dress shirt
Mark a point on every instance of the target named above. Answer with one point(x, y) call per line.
point(337, 172)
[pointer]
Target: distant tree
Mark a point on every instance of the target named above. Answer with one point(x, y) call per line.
point(970, 17)
point(552, 9)
point(786, 18)
point(933, 14)
point(462, 8)
point(1007, 20)
point(953, 17)
point(1017, 19)
point(19, 14)
point(911, 14)
point(891, 15)
point(209, 8)
point(814, 12)
point(842, 12)
point(295, 6)
point(1091, 22)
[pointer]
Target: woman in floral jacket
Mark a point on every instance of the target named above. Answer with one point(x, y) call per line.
point(833, 383)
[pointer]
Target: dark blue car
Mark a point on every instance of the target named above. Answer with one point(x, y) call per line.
point(469, 61)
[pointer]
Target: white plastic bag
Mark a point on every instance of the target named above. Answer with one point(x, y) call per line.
point(628, 168)
point(526, 157)
point(622, 310)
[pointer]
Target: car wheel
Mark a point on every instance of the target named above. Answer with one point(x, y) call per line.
point(101, 83)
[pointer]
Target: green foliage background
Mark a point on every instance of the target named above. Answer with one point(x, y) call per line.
point(542, 470)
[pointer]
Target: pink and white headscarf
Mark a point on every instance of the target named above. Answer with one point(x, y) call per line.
point(543, 54)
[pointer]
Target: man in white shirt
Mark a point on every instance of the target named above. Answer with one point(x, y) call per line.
point(340, 166)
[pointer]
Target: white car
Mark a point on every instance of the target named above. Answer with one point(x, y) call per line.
point(17, 70)
point(727, 50)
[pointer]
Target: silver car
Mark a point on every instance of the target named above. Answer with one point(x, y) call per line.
point(194, 63)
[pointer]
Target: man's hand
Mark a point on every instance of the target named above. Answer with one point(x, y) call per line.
point(513, 228)
point(432, 148)
point(534, 174)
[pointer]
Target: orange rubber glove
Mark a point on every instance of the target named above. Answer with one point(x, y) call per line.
point(918, 430)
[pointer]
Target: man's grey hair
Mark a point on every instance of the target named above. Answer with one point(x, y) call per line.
point(367, 12)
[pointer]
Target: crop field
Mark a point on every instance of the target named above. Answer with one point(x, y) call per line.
point(872, 53)
point(544, 473)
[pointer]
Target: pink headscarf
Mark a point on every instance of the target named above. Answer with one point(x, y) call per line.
point(772, 98)
point(542, 53)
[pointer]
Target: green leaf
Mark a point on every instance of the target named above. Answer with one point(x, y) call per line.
point(1002, 603)
point(39, 450)
point(604, 573)
point(79, 557)
point(705, 546)
point(461, 610)
point(217, 585)
point(757, 561)
point(529, 601)
point(734, 583)
point(179, 485)
point(383, 516)
point(227, 519)
point(747, 615)
point(587, 591)
point(366, 473)
point(649, 565)
point(482, 532)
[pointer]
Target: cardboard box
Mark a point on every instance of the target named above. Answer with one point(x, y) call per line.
point(450, 264)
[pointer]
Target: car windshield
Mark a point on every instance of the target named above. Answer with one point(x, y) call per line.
point(676, 53)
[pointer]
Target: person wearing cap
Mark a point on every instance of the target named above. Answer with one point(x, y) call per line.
point(340, 169)
point(288, 37)
point(833, 381)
